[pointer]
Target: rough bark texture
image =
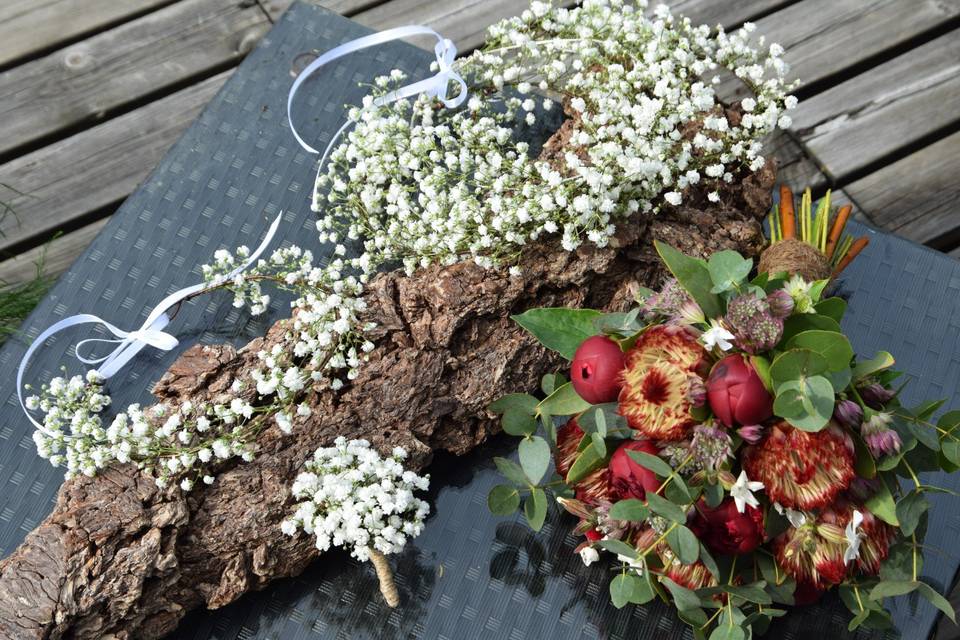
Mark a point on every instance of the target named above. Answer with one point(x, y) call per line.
point(119, 558)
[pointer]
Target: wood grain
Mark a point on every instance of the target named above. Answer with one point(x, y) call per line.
point(79, 84)
point(825, 37)
point(29, 26)
point(56, 256)
point(861, 121)
point(729, 13)
point(94, 168)
point(275, 8)
point(917, 196)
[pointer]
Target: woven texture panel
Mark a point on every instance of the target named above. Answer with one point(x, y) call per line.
point(470, 575)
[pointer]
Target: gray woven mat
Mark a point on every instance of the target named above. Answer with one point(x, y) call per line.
point(470, 575)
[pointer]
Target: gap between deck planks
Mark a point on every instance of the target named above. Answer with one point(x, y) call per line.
point(49, 174)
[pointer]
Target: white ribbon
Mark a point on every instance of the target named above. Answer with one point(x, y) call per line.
point(435, 86)
point(130, 343)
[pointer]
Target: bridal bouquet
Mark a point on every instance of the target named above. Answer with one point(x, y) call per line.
point(726, 448)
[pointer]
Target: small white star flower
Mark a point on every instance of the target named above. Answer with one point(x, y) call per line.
point(589, 555)
point(796, 518)
point(742, 492)
point(853, 538)
point(717, 336)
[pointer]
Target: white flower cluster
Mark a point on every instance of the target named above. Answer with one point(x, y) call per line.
point(421, 185)
point(351, 497)
point(72, 405)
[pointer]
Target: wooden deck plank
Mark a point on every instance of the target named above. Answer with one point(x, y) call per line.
point(859, 122)
point(30, 26)
point(825, 37)
point(56, 255)
point(729, 13)
point(917, 196)
point(92, 169)
point(78, 84)
point(275, 8)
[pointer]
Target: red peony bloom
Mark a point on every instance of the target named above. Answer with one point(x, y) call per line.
point(656, 398)
point(595, 371)
point(568, 439)
point(799, 469)
point(725, 530)
point(736, 393)
point(627, 478)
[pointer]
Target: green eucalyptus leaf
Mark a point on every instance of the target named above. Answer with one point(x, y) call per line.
point(684, 544)
point(550, 383)
point(665, 508)
point(898, 565)
point(694, 277)
point(631, 510)
point(649, 461)
point(630, 588)
point(512, 472)
point(792, 365)
point(683, 598)
point(879, 362)
point(840, 380)
point(521, 402)
point(806, 403)
point(618, 547)
point(910, 508)
point(891, 589)
point(728, 632)
point(833, 308)
point(762, 366)
point(833, 347)
point(564, 401)
point(503, 500)
point(727, 270)
point(713, 495)
point(798, 323)
point(751, 593)
point(613, 423)
point(535, 508)
point(518, 423)
point(559, 329)
point(534, 457)
point(937, 600)
point(599, 444)
point(586, 463)
point(882, 504)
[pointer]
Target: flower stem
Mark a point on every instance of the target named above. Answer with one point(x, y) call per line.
point(385, 574)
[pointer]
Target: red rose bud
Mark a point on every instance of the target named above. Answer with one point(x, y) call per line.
point(736, 393)
point(725, 530)
point(799, 469)
point(627, 478)
point(656, 398)
point(595, 371)
point(848, 413)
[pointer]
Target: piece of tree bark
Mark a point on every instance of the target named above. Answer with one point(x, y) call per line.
point(119, 558)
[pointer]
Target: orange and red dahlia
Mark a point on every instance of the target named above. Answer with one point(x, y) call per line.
point(799, 469)
point(656, 398)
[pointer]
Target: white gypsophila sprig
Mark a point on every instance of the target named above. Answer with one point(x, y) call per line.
point(324, 343)
point(420, 185)
point(352, 497)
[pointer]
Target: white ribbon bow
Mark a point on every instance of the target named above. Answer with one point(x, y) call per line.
point(435, 86)
point(130, 343)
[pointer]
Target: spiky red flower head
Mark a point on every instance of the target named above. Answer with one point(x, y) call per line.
point(692, 576)
point(725, 530)
point(799, 469)
point(595, 370)
point(568, 439)
point(656, 398)
point(627, 478)
point(593, 489)
point(876, 536)
point(813, 555)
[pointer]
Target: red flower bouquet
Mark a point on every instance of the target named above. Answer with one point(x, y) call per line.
point(723, 443)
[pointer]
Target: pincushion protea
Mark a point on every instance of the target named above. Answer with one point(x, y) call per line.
point(812, 554)
point(594, 488)
point(656, 398)
point(799, 469)
point(875, 534)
